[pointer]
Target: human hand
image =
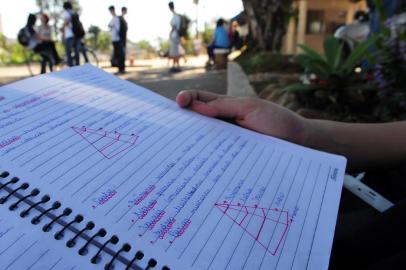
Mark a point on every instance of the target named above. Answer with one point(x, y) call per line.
point(251, 113)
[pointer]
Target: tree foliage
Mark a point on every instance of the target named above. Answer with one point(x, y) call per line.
point(93, 36)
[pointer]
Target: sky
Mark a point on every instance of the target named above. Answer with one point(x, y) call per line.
point(147, 19)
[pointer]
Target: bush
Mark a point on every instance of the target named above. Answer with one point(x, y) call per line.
point(14, 54)
point(267, 62)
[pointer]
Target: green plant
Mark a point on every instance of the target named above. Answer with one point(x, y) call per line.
point(390, 66)
point(332, 72)
point(336, 85)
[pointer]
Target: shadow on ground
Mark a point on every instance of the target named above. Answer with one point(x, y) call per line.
point(157, 79)
point(161, 81)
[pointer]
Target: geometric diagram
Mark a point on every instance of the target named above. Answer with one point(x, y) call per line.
point(259, 223)
point(107, 143)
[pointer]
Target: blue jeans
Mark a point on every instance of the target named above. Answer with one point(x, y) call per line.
point(72, 44)
point(118, 55)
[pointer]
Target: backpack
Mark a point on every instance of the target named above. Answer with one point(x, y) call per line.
point(123, 28)
point(24, 36)
point(77, 27)
point(184, 25)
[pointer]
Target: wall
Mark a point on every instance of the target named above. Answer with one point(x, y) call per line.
point(336, 12)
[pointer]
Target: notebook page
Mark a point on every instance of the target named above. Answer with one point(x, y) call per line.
point(26, 246)
point(189, 190)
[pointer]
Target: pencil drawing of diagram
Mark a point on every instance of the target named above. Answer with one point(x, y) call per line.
point(107, 143)
point(268, 227)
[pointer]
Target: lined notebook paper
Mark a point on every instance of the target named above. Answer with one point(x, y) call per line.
point(23, 247)
point(189, 191)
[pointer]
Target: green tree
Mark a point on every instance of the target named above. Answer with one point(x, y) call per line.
point(3, 41)
point(163, 45)
point(207, 34)
point(104, 41)
point(93, 36)
point(145, 45)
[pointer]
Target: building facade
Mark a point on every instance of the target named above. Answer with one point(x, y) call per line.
point(315, 20)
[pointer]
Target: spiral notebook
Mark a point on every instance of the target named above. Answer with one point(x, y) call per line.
point(99, 173)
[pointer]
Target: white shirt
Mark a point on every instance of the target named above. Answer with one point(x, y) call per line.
point(175, 23)
point(114, 26)
point(67, 16)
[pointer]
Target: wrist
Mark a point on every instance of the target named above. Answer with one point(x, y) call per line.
point(321, 135)
point(312, 134)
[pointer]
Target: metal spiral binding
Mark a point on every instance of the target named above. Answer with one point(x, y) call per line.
point(113, 240)
point(33, 193)
point(58, 235)
point(83, 250)
point(29, 199)
point(66, 212)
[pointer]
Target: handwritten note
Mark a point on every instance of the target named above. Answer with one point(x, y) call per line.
point(191, 191)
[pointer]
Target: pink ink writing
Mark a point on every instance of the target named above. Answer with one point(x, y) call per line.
point(143, 195)
point(152, 224)
point(104, 198)
point(30, 101)
point(147, 210)
point(180, 231)
point(167, 228)
point(9, 141)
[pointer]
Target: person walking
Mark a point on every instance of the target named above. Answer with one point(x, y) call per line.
point(71, 43)
point(118, 49)
point(174, 39)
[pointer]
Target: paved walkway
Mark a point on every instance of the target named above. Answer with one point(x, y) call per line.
point(152, 74)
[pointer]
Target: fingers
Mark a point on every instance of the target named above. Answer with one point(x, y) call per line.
point(231, 108)
point(187, 98)
point(214, 105)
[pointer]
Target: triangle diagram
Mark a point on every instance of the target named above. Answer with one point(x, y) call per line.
point(107, 143)
point(267, 226)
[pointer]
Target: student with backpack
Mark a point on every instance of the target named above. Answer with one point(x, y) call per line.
point(118, 45)
point(31, 39)
point(73, 33)
point(179, 26)
point(174, 38)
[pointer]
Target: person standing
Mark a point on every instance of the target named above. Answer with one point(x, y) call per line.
point(44, 30)
point(44, 35)
point(40, 44)
point(118, 50)
point(174, 39)
point(123, 31)
point(71, 43)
